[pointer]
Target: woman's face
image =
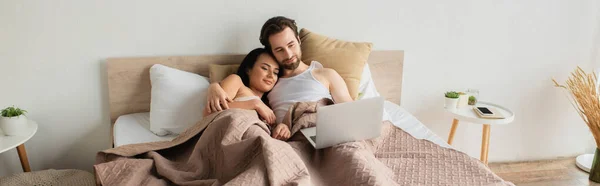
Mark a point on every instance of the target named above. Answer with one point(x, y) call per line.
point(263, 74)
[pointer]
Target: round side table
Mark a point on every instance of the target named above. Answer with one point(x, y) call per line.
point(468, 114)
point(9, 142)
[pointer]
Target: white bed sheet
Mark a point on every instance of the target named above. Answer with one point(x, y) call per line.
point(135, 128)
point(409, 123)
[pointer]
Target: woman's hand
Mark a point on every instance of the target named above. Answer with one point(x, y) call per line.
point(216, 99)
point(265, 112)
point(281, 132)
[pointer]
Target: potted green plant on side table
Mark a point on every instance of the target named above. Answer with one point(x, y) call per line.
point(13, 121)
point(472, 100)
point(451, 100)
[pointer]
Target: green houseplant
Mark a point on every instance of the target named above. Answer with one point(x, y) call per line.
point(451, 100)
point(13, 120)
point(472, 100)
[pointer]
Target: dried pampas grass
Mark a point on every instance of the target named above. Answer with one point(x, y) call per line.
point(584, 97)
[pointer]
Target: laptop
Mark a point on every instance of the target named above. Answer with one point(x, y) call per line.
point(346, 122)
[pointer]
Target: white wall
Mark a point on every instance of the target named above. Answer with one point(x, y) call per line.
point(51, 61)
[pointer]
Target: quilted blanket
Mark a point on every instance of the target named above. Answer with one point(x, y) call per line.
point(234, 147)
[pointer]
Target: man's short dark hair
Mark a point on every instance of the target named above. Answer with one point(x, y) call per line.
point(274, 26)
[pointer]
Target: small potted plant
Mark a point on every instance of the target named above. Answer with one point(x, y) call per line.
point(13, 121)
point(472, 100)
point(451, 99)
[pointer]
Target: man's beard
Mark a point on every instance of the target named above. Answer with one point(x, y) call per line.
point(292, 65)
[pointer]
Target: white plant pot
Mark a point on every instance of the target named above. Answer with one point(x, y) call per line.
point(451, 103)
point(14, 125)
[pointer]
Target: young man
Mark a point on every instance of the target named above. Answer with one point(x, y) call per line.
point(300, 82)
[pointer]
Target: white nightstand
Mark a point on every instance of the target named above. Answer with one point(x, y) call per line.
point(467, 114)
point(9, 142)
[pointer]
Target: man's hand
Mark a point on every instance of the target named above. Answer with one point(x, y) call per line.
point(265, 112)
point(216, 99)
point(281, 132)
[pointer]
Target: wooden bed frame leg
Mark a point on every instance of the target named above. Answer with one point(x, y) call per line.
point(452, 131)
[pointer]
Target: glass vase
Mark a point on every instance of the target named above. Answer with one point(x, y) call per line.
point(595, 170)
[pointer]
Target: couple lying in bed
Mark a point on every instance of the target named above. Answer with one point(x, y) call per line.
point(275, 76)
point(235, 148)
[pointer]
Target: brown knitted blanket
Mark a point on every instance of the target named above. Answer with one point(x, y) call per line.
point(234, 147)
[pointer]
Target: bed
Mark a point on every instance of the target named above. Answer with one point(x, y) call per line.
point(210, 152)
point(135, 128)
point(129, 92)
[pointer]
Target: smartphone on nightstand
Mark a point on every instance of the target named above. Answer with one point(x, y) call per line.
point(484, 111)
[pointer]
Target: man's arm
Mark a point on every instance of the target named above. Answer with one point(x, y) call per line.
point(220, 95)
point(248, 105)
point(337, 86)
point(231, 85)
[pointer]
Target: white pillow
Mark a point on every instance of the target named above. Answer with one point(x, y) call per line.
point(367, 89)
point(177, 99)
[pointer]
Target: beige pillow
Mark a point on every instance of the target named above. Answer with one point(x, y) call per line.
point(216, 73)
point(347, 58)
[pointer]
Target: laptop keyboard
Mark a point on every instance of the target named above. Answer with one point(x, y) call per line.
point(314, 138)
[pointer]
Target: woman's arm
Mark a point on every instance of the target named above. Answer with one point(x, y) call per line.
point(219, 94)
point(256, 104)
point(231, 85)
point(249, 105)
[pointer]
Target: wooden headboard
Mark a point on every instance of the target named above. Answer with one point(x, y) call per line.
point(129, 78)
